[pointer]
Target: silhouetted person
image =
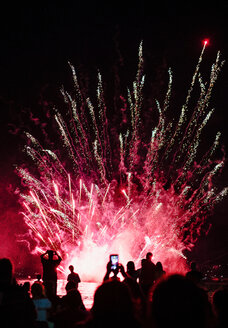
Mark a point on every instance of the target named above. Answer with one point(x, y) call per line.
point(50, 261)
point(73, 276)
point(71, 285)
point(137, 298)
point(16, 307)
point(159, 272)
point(26, 287)
point(71, 310)
point(131, 272)
point(194, 275)
point(147, 274)
point(180, 303)
point(220, 306)
point(42, 304)
point(140, 270)
point(112, 307)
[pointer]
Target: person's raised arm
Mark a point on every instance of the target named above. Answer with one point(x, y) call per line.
point(108, 271)
point(42, 255)
point(122, 271)
point(59, 259)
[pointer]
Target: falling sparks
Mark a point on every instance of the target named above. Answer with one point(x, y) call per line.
point(156, 201)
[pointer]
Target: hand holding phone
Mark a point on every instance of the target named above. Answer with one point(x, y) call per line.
point(114, 259)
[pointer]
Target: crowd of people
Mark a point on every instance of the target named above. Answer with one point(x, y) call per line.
point(143, 298)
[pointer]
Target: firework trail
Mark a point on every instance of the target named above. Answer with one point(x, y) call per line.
point(107, 194)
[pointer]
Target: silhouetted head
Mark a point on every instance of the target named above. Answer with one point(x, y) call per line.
point(130, 266)
point(38, 277)
point(159, 266)
point(178, 302)
point(37, 290)
point(6, 271)
point(50, 254)
point(149, 256)
point(143, 261)
point(73, 299)
point(220, 303)
point(71, 268)
point(70, 285)
point(112, 299)
point(26, 286)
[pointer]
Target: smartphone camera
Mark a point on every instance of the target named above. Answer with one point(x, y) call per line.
point(114, 259)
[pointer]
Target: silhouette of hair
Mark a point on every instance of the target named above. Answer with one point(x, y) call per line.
point(178, 302)
point(71, 267)
point(73, 299)
point(37, 290)
point(51, 252)
point(112, 297)
point(143, 261)
point(26, 286)
point(38, 276)
point(220, 304)
point(159, 266)
point(148, 255)
point(130, 266)
point(220, 299)
point(70, 285)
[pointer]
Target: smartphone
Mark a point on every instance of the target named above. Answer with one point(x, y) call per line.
point(114, 259)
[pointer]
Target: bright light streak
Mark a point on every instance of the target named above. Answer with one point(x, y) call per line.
point(206, 42)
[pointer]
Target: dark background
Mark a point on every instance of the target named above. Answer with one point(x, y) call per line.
point(38, 39)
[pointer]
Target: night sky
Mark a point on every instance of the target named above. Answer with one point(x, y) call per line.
point(38, 40)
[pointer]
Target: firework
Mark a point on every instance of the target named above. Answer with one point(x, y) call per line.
point(107, 192)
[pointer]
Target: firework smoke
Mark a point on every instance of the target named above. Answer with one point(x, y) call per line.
point(115, 193)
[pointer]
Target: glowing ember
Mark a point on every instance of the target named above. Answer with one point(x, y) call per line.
point(206, 42)
point(123, 195)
